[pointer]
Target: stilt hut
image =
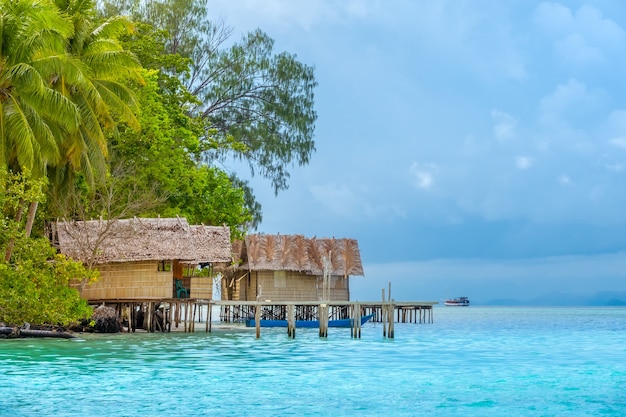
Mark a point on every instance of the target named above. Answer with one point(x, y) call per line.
point(144, 258)
point(291, 268)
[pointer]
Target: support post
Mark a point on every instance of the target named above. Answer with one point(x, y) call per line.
point(322, 312)
point(391, 324)
point(291, 321)
point(383, 313)
point(257, 319)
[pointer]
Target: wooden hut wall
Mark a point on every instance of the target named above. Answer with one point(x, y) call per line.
point(243, 287)
point(248, 286)
point(237, 289)
point(287, 286)
point(339, 288)
point(201, 287)
point(224, 293)
point(129, 280)
point(240, 287)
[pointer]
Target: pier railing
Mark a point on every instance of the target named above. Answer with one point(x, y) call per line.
point(159, 314)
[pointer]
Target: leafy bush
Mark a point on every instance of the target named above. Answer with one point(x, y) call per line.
point(35, 288)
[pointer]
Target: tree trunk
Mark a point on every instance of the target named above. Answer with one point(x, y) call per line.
point(32, 211)
point(18, 219)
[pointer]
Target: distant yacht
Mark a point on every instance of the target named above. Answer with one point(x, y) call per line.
point(457, 302)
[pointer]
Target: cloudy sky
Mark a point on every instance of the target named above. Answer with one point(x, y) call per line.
point(472, 147)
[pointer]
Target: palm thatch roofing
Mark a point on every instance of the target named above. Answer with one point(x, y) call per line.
point(262, 252)
point(140, 239)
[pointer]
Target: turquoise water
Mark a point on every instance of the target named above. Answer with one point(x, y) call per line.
point(481, 361)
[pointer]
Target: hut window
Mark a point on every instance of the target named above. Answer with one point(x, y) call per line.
point(164, 266)
point(280, 279)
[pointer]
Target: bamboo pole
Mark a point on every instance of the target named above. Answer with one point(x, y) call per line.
point(150, 317)
point(186, 316)
point(391, 324)
point(356, 321)
point(207, 327)
point(193, 317)
point(131, 318)
point(322, 312)
point(257, 320)
point(291, 321)
point(383, 314)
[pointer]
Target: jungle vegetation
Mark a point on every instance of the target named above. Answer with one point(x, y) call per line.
point(111, 110)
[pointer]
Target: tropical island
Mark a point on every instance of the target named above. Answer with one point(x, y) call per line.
point(120, 109)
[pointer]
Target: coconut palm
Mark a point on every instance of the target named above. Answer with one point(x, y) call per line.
point(32, 115)
point(62, 86)
point(101, 92)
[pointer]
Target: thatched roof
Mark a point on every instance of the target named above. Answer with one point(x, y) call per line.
point(298, 253)
point(101, 241)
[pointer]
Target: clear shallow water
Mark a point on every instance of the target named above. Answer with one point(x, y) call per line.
point(482, 361)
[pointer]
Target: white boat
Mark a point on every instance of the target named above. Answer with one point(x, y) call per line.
point(457, 302)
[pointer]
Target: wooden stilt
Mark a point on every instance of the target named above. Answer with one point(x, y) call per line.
point(322, 312)
point(356, 321)
point(210, 313)
point(391, 324)
point(208, 317)
point(291, 321)
point(257, 319)
point(383, 314)
point(150, 313)
point(193, 317)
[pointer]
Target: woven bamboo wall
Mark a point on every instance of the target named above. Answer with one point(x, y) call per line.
point(235, 289)
point(241, 286)
point(250, 287)
point(339, 288)
point(290, 287)
point(201, 287)
point(224, 289)
point(129, 280)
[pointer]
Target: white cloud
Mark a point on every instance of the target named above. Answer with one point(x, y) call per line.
point(583, 36)
point(616, 167)
point(287, 13)
point(504, 125)
point(523, 162)
point(568, 101)
point(564, 179)
point(619, 142)
point(386, 211)
point(575, 50)
point(338, 199)
point(423, 175)
point(554, 18)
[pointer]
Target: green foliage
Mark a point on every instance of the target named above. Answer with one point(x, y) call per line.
point(98, 80)
point(262, 99)
point(211, 198)
point(33, 35)
point(257, 105)
point(162, 160)
point(35, 287)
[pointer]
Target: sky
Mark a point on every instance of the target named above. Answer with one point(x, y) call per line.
point(472, 147)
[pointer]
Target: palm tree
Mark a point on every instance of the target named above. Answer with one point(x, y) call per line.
point(32, 115)
point(62, 86)
point(33, 36)
point(100, 91)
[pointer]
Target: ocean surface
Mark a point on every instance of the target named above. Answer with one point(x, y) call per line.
point(476, 361)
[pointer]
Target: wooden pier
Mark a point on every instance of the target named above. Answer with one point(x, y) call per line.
point(160, 314)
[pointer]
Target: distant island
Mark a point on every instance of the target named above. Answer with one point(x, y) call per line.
point(604, 298)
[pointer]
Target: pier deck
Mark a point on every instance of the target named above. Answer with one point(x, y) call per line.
point(158, 314)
